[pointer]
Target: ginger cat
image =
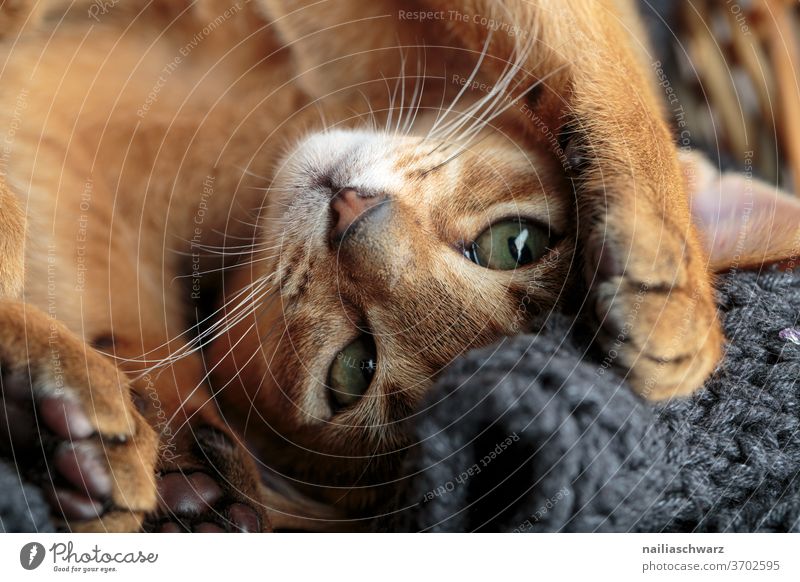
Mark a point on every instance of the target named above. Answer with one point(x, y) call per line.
point(249, 234)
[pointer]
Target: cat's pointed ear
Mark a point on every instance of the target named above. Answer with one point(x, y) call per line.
point(743, 222)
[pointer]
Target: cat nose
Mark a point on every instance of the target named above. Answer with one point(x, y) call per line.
point(348, 206)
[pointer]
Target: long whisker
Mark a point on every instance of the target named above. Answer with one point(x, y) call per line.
point(500, 91)
point(206, 338)
point(372, 119)
point(199, 385)
point(514, 101)
point(252, 399)
point(239, 265)
point(497, 90)
point(476, 128)
point(473, 74)
point(402, 81)
point(248, 292)
point(208, 373)
point(419, 90)
point(459, 152)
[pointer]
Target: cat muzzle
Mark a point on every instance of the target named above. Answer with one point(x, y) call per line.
point(347, 208)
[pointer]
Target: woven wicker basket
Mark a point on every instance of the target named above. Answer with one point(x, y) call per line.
point(738, 63)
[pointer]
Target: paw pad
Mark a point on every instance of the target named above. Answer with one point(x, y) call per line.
point(196, 502)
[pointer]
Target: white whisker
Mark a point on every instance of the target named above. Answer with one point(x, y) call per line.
point(463, 90)
point(416, 98)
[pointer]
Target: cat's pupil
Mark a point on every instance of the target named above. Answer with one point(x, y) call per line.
point(368, 368)
point(519, 250)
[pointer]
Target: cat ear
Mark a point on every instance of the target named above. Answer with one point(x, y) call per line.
point(743, 222)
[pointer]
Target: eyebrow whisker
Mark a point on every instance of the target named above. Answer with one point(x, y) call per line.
point(460, 151)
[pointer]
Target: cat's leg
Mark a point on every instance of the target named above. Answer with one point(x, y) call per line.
point(134, 310)
point(67, 422)
point(646, 270)
point(77, 415)
point(12, 243)
point(207, 480)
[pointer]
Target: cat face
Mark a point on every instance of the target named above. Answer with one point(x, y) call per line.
point(392, 255)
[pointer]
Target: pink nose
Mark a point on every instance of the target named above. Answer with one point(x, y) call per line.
point(347, 206)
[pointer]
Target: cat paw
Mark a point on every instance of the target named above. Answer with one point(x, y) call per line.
point(657, 318)
point(68, 425)
point(214, 489)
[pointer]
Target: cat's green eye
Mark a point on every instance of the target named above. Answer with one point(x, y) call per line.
point(352, 371)
point(509, 244)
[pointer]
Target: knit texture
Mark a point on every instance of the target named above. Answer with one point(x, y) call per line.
point(528, 435)
point(531, 435)
point(22, 508)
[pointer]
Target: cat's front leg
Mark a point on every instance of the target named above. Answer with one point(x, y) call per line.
point(209, 482)
point(206, 478)
point(68, 424)
point(67, 421)
point(651, 292)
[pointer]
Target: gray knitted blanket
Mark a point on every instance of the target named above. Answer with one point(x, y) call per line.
point(527, 436)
